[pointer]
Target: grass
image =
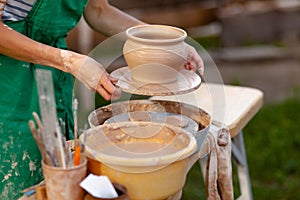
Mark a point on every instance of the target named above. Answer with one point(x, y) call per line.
point(272, 143)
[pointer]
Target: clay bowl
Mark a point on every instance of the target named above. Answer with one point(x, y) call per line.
point(201, 117)
point(149, 159)
point(155, 53)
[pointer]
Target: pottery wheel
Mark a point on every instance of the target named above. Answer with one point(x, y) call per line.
point(186, 82)
point(159, 117)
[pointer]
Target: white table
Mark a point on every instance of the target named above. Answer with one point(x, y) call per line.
point(234, 106)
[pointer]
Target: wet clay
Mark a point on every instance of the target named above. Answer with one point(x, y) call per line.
point(178, 121)
point(140, 116)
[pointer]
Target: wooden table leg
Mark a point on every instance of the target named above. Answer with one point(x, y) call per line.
point(240, 158)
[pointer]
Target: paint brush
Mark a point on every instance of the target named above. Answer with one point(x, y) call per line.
point(39, 143)
point(77, 153)
point(60, 146)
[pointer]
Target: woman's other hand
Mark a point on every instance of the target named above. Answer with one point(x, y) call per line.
point(194, 61)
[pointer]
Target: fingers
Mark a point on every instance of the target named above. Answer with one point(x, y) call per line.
point(190, 65)
point(107, 89)
point(112, 79)
point(116, 94)
point(109, 96)
point(194, 61)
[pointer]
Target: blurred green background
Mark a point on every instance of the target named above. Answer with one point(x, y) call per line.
point(272, 143)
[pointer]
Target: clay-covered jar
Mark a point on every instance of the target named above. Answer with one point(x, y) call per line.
point(155, 53)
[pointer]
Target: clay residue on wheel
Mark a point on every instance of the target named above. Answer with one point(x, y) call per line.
point(140, 116)
point(178, 121)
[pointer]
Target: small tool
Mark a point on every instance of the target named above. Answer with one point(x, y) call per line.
point(77, 153)
point(40, 144)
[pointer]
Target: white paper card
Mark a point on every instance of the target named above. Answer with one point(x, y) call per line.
point(99, 186)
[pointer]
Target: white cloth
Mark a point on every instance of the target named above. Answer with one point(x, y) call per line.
point(218, 169)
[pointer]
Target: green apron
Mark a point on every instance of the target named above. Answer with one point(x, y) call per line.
point(20, 161)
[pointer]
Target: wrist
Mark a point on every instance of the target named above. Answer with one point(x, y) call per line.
point(68, 61)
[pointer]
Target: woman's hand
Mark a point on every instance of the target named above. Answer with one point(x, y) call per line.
point(194, 61)
point(90, 73)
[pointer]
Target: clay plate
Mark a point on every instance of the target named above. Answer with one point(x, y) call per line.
point(187, 82)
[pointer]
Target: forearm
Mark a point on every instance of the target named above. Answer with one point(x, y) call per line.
point(18, 46)
point(84, 68)
point(107, 19)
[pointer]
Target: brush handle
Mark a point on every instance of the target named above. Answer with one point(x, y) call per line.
point(77, 155)
point(38, 142)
